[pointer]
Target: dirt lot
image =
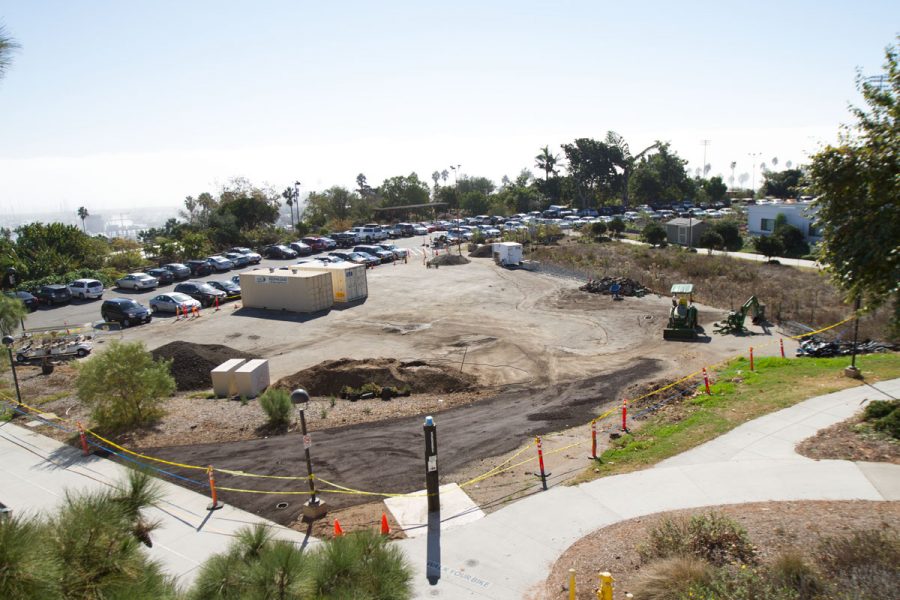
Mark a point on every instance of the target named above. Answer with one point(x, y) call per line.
point(852, 439)
point(772, 526)
point(544, 356)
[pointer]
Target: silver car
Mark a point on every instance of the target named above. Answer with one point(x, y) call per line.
point(137, 281)
point(169, 302)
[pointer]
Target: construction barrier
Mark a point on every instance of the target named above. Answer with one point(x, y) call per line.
point(706, 381)
point(215, 504)
point(751, 358)
point(540, 453)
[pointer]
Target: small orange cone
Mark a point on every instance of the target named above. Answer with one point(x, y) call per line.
point(338, 532)
point(385, 528)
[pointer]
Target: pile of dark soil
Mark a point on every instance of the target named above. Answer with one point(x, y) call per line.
point(330, 377)
point(448, 259)
point(627, 287)
point(191, 363)
point(482, 251)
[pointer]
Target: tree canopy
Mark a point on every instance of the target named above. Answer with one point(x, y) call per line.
point(782, 184)
point(592, 166)
point(660, 177)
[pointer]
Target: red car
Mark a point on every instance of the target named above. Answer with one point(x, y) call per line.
point(318, 245)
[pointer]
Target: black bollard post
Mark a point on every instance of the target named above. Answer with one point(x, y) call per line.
point(431, 466)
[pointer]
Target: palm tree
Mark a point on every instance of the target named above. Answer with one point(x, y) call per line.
point(788, 164)
point(7, 46)
point(288, 195)
point(774, 162)
point(546, 162)
point(445, 174)
point(83, 214)
point(733, 165)
point(627, 162)
point(743, 178)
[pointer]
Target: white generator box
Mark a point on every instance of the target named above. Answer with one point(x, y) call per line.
point(348, 281)
point(252, 378)
point(223, 377)
point(296, 290)
point(507, 253)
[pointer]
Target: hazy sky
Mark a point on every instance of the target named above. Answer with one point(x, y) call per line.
point(117, 104)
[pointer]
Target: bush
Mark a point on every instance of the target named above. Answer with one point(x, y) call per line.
point(124, 386)
point(360, 565)
point(791, 571)
point(712, 240)
point(866, 562)
point(617, 226)
point(598, 229)
point(672, 578)
point(653, 233)
point(278, 406)
point(877, 409)
point(890, 424)
point(731, 234)
point(768, 245)
point(712, 537)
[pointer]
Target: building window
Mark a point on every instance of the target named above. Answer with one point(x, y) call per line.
point(767, 224)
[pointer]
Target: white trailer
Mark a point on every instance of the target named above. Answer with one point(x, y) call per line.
point(507, 254)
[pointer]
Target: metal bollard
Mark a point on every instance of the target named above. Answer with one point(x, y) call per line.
point(571, 584)
point(605, 592)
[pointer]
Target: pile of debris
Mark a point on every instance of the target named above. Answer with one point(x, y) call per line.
point(818, 348)
point(191, 363)
point(450, 258)
point(627, 287)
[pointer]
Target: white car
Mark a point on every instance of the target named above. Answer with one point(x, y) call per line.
point(169, 302)
point(86, 288)
point(138, 281)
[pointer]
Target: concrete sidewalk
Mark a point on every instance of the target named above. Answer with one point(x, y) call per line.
point(791, 262)
point(36, 472)
point(509, 553)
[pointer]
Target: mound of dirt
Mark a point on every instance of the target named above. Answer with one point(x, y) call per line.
point(482, 251)
point(448, 259)
point(191, 363)
point(329, 377)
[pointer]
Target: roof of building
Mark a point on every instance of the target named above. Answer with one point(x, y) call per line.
point(683, 221)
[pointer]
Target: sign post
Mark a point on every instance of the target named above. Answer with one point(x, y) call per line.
point(313, 508)
point(431, 466)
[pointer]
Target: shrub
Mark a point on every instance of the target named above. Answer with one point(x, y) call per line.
point(712, 537)
point(866, 560)
point(617, 226)
point(791, 571)
point(712, 240)
point(672, 578)
point(876, 409)
point(124, 386)
point(653, 233)
point(278, 406)
point(360, 565)
point(598, 229)
point(890, 424)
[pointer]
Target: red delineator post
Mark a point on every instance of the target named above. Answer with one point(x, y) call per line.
point(542, 474)
point(84, 445)
point(706, 381)
point(594, 439)
point(624, 415)
point(781, 344)
point(217, 303)
point(751, 358)
point(215, 504)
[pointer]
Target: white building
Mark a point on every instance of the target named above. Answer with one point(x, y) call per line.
point(802, 215)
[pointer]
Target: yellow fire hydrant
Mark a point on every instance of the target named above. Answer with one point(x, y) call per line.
point(605, 592)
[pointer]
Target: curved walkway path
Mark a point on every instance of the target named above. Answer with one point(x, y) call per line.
point(508, 553)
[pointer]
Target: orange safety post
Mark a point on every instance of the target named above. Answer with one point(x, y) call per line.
point(385, 528)
point(215, 504)
point(751, 358)
point(84, 444)
point(543, 475)
point(196, 312)
point(217, 303)
point(706, 381)
point(624, 415)
point(338, 531)
point(594, 439)
point(781, 344)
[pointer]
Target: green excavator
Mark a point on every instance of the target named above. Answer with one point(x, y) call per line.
point(683, 318)
point(734, 322)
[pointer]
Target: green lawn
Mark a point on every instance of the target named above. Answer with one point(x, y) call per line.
point(738, 395)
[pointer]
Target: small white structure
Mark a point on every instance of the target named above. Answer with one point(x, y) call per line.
point(348, 281)
point(507, 253)
point(802, 215)
point(295, 290)
point(223, 377)
point(251, 378)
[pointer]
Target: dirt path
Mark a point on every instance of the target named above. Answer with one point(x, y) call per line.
point(387, 457)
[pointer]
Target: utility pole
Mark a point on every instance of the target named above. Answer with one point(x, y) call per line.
point(753, 156)
point(296, 203)
point(458, 206)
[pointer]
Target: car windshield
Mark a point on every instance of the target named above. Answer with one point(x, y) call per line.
point(179, 297)
point(129, 304)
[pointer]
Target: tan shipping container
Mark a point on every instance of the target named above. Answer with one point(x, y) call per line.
point(285, 289)
point(348, 281)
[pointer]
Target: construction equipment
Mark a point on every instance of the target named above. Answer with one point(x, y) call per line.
point(683, 318)
point(734, 322)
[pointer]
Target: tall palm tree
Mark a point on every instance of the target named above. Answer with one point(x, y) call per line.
point(83, 214)
point(774, 162)
point(733, 165)
point(288, 195)
point(7, 46)
point(626, 162)
point(546, 162)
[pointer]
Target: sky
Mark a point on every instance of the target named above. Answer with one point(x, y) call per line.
point(112, 104)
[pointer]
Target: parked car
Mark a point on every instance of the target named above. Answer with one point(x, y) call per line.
point(239, 260)
point(200, 291)
point(30, 302)
point(220, 264)
point(169, 302)
point(232, 290)
point(369, 234)
point(397, 250)
point(199, 268)
point(346, 239)
point(402, 230)
point(178, 270)
point(421, 230)
point(53, 294)
point(385, 256)
point(137, 281)
point(358, 258)
point(164, 276)
point(316, 243)
point(301, 248)
point(330, 243)
point(279, 251)
point(254, 257)
point(124, 311)
point(86, 288)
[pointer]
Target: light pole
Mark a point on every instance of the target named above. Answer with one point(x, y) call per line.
point(8, 342)
point(458, 206)
point(313, 508)
point(297, 185)
point(753, 156)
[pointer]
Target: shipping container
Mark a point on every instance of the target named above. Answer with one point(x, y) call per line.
point(287, 289)
point(348, 281)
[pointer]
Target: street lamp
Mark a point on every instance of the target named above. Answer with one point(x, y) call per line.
point(753, 156)
point(313, 508)
point(8, 342)
point(297, 185)
point(458, 206)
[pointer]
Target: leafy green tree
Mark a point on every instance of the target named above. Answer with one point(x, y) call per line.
point(519, 195)
point(782, 184)
point(475, 202)
point(617, 226)
point(711, 239)
point(7, 46)
point(592, 166)
point(792, 241)
point(858, 189)
point(768, 245)
point(402, 191)
point(730, 233)
point(193, 244)
point(598, 229)
point(54, 249)
point(660, 178)
point(334, 204)
point(715, 189)
point(123, 386)
point(654, 233)
point(12, 311)
point(628, 162)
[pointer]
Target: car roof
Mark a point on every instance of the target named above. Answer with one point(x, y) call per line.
point(118, 301)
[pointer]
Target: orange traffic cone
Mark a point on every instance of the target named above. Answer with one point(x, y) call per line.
point(338, 532)
point(217, 303)
point(385, 528)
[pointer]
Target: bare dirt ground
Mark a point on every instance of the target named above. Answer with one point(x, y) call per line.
point(546, 358)
point(772, 526)
point(852, 439)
